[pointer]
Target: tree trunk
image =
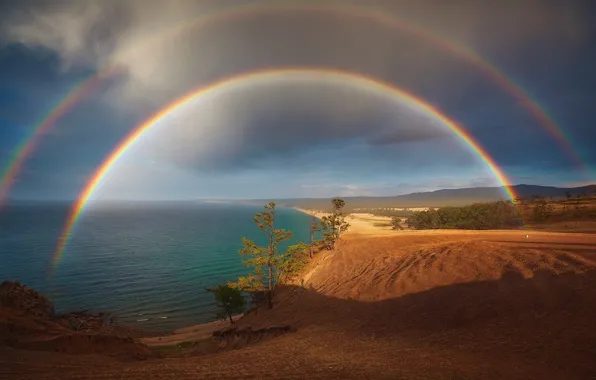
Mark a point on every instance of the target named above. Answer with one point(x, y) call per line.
point(311, 241)
point(270, 292)
point(230, 316)
point(270, 262)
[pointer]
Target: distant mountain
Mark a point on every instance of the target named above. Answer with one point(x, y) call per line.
point(438, 198)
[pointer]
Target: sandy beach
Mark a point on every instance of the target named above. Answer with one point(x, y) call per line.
point(360, 223)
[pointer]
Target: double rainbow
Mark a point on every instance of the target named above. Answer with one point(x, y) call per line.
point(245, 81)
point(23, 150)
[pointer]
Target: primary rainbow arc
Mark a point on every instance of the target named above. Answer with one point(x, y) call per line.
point(246, 80)
point(23, 150)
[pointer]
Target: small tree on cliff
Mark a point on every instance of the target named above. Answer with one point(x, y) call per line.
point(265, 260)
point(293, 261)
point(314, 228)
point(229, 300)
point(334, 225)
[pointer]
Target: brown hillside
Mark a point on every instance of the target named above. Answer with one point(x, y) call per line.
point(481, 305)
point(27, 322)
point(20, 297)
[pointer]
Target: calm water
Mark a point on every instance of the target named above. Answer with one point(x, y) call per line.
point(148, 264)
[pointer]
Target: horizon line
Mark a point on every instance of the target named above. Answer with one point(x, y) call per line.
point(290, 198)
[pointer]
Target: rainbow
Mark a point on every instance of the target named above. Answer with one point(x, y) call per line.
point(268, 6)
point(252, 78)
point(391, 21)
point(31, 141)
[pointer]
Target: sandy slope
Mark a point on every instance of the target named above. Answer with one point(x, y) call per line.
point(187, 334)
point(413, 305)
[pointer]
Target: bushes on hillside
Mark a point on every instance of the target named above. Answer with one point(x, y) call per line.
point(478, 216)
point(230, 301)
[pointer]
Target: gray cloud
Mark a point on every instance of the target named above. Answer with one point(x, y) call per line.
point(161, 58)
point(409, 135)
point(242, 127)
point(161, 61)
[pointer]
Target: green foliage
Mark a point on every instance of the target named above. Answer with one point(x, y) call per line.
point(478, 216)
point(250, 283)
point(264, 260)
point(541, 210)
point(75, 324)
point(315, 227)
point(293, 261)
point(229, 300)
point(334, 225)
point(396, 223)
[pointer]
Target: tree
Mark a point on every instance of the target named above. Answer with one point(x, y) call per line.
point(293, 261)
point(396, 223)
point(264, 260)
point(335, 224)
point(229, 300)
point(253, 285)
point(314, 228)
point(579, 208)
point(542, 210)
point(478, 216)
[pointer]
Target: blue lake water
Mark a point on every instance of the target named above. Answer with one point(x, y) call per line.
point(147, 263)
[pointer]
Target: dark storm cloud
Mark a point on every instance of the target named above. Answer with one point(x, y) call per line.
point(545, 46)
point(119, 32)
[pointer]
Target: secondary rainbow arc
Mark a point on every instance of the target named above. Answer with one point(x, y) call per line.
point(392, 21)
point(247, 79)
point(24, 149)
point(15, 162)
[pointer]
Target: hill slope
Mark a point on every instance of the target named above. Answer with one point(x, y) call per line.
point(439, 198)
point(414, 306)
point(483, 298)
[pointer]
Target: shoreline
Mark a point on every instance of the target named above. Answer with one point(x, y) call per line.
point(309, 212)
point(192, 333)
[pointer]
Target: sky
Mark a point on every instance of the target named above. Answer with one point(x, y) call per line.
point(305, 133)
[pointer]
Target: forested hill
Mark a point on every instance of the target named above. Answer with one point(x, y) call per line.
point(439, 198)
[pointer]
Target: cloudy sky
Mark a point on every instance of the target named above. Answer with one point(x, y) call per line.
point(302, 133)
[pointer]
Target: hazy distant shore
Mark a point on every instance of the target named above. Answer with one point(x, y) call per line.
point(314, 213)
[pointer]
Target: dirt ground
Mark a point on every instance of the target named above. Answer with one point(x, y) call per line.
point(403, 305)
point(187, 334)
